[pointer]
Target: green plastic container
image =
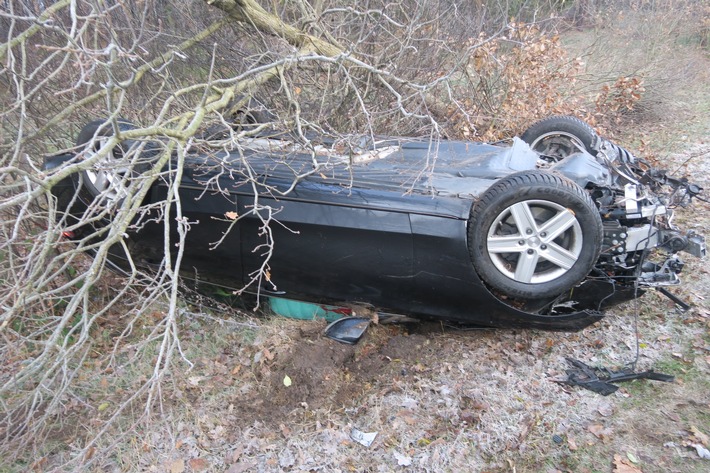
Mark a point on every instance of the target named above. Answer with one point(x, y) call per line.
point(307, 310)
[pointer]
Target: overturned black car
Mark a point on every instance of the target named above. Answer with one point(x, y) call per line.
point(545, 231)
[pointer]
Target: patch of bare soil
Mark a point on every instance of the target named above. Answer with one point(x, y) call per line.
point(310, 372)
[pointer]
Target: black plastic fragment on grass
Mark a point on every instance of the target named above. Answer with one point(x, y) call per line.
point(600, 380)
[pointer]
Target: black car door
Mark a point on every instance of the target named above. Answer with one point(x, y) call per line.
point(324, 242)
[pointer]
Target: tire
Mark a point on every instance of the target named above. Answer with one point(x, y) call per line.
point(247, 113)
point(534, 234)
point(106, 179)
point(559, 136)
point(242, 114)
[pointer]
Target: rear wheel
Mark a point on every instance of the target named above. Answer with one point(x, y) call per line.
point(559, 136)
point(108, 177)
point(534, 235)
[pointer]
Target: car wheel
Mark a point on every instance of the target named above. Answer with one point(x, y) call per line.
point(559, 136)
point(107, 177)
point(534, 234)
point(247, 113)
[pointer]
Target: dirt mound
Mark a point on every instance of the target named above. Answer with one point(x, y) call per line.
point(312, 372)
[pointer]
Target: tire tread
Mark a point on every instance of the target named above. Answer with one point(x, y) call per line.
point(566, 123)
point(528, 179)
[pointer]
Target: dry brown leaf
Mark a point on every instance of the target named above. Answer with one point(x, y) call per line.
point(572, 445)
point(622, 465)
point(600, 431)
point(233, 457)
point(606, 409)
point(596, 429)
point(178, 466)
point(285, 431)
point(89, 453)
point(700, 436)
point(199, 464)
point(481, 406)
point(240, 467)
point(671, 416)
point(471, 418)
point(407, 415)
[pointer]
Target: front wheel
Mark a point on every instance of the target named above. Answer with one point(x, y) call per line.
point(534, 235)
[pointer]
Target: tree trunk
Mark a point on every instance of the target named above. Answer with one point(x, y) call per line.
point(250, 12)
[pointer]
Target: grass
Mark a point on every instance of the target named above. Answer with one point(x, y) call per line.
point(652, 44)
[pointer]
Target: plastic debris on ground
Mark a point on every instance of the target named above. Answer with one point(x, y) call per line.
point(363, 438)
point(599, 380)
point(348, 329)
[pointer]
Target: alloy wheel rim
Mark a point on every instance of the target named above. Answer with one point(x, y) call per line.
point(535, 241)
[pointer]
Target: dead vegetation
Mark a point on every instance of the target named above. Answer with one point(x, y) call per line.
point(439, 398)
